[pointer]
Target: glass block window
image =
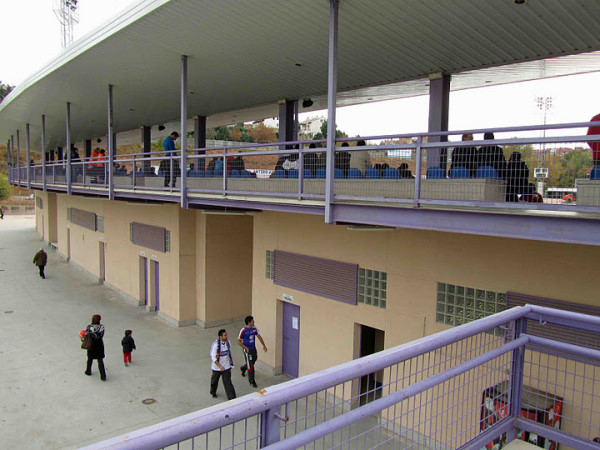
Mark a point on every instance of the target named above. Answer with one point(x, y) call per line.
point(458, 304)
point(167, 240)
point(269, 265)
point(372, 287)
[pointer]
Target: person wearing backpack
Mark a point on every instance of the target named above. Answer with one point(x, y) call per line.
point(222, 363)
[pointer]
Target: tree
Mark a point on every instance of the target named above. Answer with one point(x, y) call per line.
point(323, 133)
point(4, 90)
point(4, 187)
point(263, 134)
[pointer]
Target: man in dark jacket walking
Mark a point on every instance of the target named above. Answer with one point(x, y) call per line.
point(40, 259)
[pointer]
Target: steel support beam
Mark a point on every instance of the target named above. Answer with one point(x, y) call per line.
point(88, 148)
point(331, 107)
point(288, 120)
point(18, 158)
point(146, 139)
point(28, 154)
point(9, 161)
point(111, 144)
point(200, 140)
point(44, 188)
point(68, 172)
point(439, 106)
point(183, 132)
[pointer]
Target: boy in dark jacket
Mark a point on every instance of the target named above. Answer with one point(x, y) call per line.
point(128, 346)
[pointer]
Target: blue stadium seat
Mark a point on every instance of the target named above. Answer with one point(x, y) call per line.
point(209, 174)
point(338, 173)
point(595, 173)
point(372, 173)
point(321, 173)
point(391, 173)
point(219, 173)
point(308, 173)
point(161, 173)
point(235, 173)
point(435, 173)
point(459, 172)
point(280, 173)
point(354, 173)
point(246, 174)
point(487, 172)
point(293, 173)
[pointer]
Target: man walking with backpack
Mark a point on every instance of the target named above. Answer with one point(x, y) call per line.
point(222, 363)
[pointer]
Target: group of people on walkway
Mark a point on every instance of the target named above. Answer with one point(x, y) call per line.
point(222, 358)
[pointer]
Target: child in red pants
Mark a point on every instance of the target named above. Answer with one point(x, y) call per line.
point(128, 346)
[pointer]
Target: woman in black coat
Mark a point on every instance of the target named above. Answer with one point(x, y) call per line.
point(517, 177)
point(96, 331)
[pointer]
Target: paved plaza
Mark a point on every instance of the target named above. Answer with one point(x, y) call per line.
point(46, 401)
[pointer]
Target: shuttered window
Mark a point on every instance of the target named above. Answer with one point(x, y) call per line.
point(149, 236)
point(557, 332)
point(323, 277)
point(83, 218)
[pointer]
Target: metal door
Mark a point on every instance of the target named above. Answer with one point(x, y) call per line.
point(156, 286)
point(291, 339)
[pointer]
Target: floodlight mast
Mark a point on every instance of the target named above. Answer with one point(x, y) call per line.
point(67, 14)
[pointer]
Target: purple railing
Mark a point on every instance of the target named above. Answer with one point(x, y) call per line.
point(485, 382)
point(414, 169)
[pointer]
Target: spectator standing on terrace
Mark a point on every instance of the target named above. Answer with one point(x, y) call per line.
point(493, 156)
point(517, 177)
point(165, 164)
point(595, 146)
point(76, 168)
point(465, 156)
point(360, 160)
point(404, 171)
point(222, 363)
point(342, 160)
point(246, 340)
point(40, 259)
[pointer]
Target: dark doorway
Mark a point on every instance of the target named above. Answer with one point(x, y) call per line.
point(371, 341)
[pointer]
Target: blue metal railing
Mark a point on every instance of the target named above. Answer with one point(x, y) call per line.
point(464, 387)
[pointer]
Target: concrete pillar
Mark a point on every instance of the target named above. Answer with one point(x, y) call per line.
point(288, 119)
point(59, 154)
point(439, 105)
point(88, 148)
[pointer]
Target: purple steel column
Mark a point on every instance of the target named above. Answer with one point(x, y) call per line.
point(111, 149)
point(331, 107)
point(18, 158)
point(200, 140)
point(146, 148)
point(43, 152)
point(28, 154)
point(10, 147)
point(183, 133)
point(418, 169)
point(68, 149)
point(270, 427)
point(516, 375)
point(439, 104)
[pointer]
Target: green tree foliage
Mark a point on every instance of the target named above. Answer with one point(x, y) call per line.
point(4, 90)
point(4, 187)
point(323, 133)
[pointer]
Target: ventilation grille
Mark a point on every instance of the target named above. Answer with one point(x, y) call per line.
point(323, 277)
point(149, 236)
point(82, 218)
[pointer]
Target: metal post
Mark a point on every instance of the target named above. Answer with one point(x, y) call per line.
point(331, 107)
point(419, 162)
point(146, 148)
point(439, 106)
point(133, 172)
point(43, 152)
point(270, 425)
point(9, 160)
point(18, 159)
point(224, 171)
point(183, 133)
point(516, 376)
point(28, 155)
point(300, 174)
point(68, 150)
point(200, 141)
point(111, 150)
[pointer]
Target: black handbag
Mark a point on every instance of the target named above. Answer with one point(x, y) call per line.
point(86, 342)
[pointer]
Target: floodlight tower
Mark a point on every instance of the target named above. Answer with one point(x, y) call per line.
point(67, 14)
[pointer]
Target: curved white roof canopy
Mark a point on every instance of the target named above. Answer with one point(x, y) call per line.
point(245, 56)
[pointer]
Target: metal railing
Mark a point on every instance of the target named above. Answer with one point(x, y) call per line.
point(514, 171)
point(484, 383)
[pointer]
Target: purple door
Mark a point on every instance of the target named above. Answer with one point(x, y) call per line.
point(156, 285)
point(291, 339)
point(145, 263)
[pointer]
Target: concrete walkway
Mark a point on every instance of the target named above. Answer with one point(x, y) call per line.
point(46, 401)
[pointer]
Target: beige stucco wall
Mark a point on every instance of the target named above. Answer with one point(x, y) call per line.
point(45, 218)
point(224, 267)
point(414, 261)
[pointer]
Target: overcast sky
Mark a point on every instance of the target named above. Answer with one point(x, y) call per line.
point(32, 37)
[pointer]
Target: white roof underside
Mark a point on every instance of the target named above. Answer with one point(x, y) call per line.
point(243, 56)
